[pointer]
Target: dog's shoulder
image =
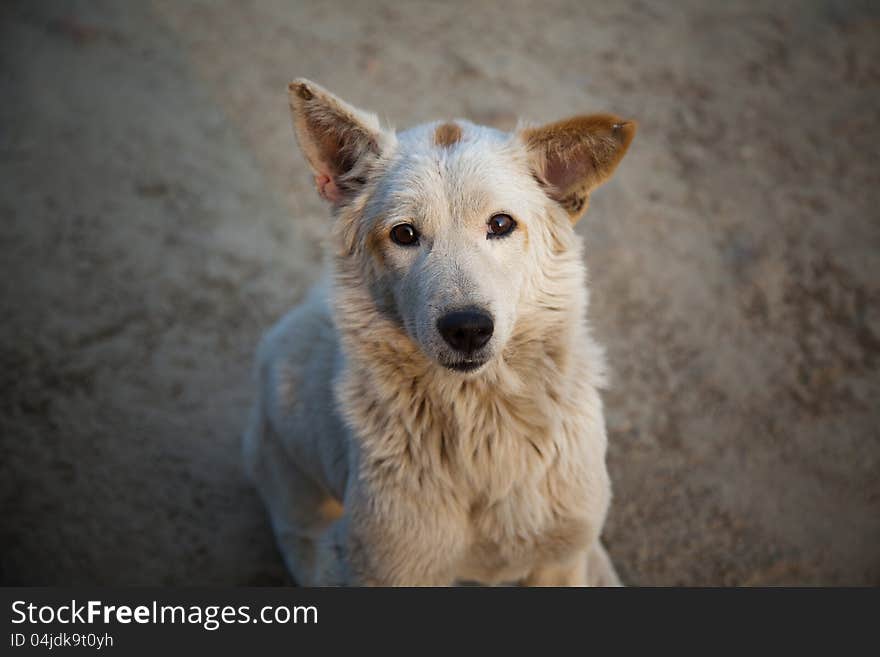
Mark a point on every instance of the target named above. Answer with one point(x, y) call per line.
point(310, 317)
point(295, 351)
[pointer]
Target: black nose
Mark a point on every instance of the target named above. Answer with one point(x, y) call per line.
point(466, 330)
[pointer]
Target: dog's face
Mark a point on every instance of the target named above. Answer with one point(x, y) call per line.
point(449, 225)
point(455, 219)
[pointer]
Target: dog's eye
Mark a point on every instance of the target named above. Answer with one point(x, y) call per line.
point(404, 234)
point(500, 225)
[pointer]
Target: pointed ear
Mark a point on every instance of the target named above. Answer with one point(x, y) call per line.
point(574, 156)
point(338, 140)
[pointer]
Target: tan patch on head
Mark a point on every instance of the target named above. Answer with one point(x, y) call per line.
point(447, 134)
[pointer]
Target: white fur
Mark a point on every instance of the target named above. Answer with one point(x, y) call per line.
point(496, 475)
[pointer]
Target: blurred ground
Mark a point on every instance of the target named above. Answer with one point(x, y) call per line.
point(157, 218)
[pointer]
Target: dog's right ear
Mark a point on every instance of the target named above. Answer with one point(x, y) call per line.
point(338, 140)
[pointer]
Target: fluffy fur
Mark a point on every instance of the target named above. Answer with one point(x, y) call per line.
point(381, 465)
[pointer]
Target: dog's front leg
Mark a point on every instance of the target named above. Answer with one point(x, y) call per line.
point(600, 569)
point(594, 570)
point(332, 562)
point(570, 573)
point(356, 557)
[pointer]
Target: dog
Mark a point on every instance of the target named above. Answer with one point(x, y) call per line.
point(431, 413)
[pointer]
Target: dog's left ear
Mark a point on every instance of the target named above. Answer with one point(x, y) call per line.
point(574, 156)
point(338, 140)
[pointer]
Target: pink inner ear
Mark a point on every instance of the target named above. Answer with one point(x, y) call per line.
point(327, 188)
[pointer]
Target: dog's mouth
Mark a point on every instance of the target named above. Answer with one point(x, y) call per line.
point(464, 365)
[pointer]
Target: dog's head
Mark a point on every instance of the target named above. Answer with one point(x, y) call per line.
point(455, 224)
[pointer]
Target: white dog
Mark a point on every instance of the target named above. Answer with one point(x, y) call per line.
point(431, 414)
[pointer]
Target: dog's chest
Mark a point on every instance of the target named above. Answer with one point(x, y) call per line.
point(538, 496)
point(509, 538)
point(518, 481)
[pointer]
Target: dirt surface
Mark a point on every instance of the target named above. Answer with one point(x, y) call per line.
point(157, 218)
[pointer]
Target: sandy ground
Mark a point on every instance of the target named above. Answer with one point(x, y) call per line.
point(157, 218)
